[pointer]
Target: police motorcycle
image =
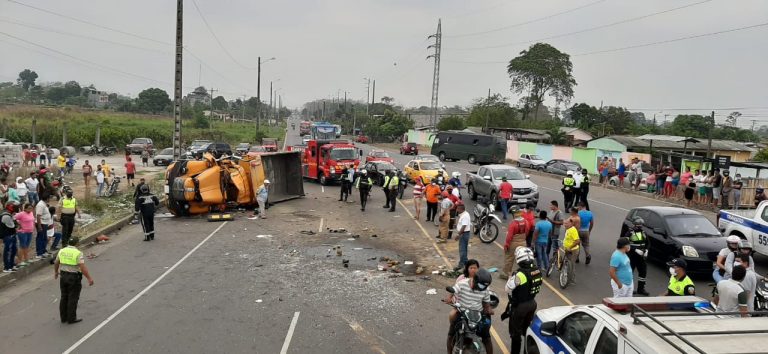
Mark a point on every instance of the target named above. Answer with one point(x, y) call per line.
point(466, 338)
point(761, 297)
point(484, 221)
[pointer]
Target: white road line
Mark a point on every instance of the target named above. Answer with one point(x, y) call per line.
point(320, 229)
point(288, 336)
point(140, 294)
point(590, 200)
point(322, 188)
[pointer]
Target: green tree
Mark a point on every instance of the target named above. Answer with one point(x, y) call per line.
point(496, 110)
point(761, 156)
point(733, 119)
point(219, 103)
point(451, 123)
point(387, 100)
point(56, 94)
point(153, 100)
point(615, 119)
point(584, 115)
point(541, 71)
point(27, 79)
point(201, 121)
point(72, 88)
point(695, 126)
point(557, 136)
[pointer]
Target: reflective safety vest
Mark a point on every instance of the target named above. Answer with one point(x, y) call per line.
point(393, 183)
point(69, 256)
point(637, 239)
point(530, 284)
point(569, 182)
point(366, 183)
point(68, 203)
point(677, 287)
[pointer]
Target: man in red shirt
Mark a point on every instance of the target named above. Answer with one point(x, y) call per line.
point(505, 195)
point(530, 218)
point(516, 233)
point(130, 170)
point(455, 200)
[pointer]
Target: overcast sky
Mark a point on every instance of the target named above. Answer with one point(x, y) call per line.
point(324, 48)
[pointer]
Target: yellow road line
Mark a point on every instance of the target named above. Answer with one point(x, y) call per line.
point(494, 334)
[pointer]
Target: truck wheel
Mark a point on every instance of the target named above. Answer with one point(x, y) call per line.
point(441, 156)
point(531, 347)
point(492, 200)
point(471, 159)
point(471, 191)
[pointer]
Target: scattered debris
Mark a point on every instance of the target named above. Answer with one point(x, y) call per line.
point(258, 300)
point(419, 270)
point(307, 232)
point(372, 259)
point(435, 272)
point(356, 236)
point(382, 268)
point(102, 238)
point(263, 236)
point(345, 263)
point(374, 235)
point(92, 256)
point(357, 248)
point(410, 280)
point(338, 251)
point(350, 239)
point(493, 270)
point(408, 262)
point(432, 292)
point(426, 277)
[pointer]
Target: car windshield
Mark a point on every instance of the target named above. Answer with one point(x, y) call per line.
point(385, 166)
point(535, 157)
point(196, 144)
point(511, 174)
point(380, 154)
point(691, 225)
point(168, 151)
point(411, 144)
point(138, 141)
point(257, 149)
point(429, 165)
point(343, 154)
point(242, 145)
point(428, 158)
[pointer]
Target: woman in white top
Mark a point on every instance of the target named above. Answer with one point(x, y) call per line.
point(21, 190)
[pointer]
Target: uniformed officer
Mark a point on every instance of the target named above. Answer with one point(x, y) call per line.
point(585, 188)
point(638, 253)
point(385, 187)
point(391, 188)
point(679, 282)
point(522, 288)
point(363, 184)
point(568, 185)
point(67, 211)
point(70, 264)
point(345, 182)
point(145, 206)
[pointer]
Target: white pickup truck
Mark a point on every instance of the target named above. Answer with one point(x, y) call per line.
point(749, 224)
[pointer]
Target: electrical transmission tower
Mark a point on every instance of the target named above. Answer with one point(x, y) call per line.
point(436, 76)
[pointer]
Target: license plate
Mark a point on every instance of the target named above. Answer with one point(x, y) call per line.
point(166, 189)
point(523, 200)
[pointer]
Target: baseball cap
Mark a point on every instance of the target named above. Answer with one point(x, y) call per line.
point(678, 262)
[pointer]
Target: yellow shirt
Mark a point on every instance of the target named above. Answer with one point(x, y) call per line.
point(106, 169)
point(571, 235)
point(62, 161)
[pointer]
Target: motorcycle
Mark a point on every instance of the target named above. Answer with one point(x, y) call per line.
point(470, 322)
point(104, 150)
point(761, 297)
point(403, 184)
point(483, 221)
point(112, 188)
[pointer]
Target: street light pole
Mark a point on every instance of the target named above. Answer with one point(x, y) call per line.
point(258, 95)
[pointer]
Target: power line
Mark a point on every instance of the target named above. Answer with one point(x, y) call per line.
point(697, 109)
point(90, 23)
point(584, 30)
point(526, 22)
point(210, 30)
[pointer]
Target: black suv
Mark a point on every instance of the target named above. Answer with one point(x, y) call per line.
point(217, 149)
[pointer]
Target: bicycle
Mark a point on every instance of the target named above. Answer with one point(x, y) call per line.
point(564, 265)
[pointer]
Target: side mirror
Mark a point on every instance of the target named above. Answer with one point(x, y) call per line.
point(487, 178)
point(548, 328)
point(450, 289)
point(660, 231)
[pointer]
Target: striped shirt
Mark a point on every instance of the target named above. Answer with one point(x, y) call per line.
point(468, 298)
point(418, 191)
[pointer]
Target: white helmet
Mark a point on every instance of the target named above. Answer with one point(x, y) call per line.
point(456, 174)
point(569, 173)
point(732, 239)
point(523, 254)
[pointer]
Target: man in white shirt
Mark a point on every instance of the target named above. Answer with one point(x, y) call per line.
point(732, 297)
point(32, 183)
point(44, 221)
point(579, 178)
point(463, 228)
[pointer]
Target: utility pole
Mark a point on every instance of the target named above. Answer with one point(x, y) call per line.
point(212, 90)
point(373, 94)
point(436, 74)
point(269, 113)
point(258, 94)
point(177, 80)
point(709, 134)
point(753, 127)
point(368, 98)
point(243, 119)
point(487, 113)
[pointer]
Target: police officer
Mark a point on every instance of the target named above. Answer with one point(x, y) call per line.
point(145, 206)
point(345, 182)
point(402, 185)
point(679, 282)
point(67, 211)
point(522, 288)
point(391, 186)
point(638, 253)
point(363, 184)
point(585, 187)
point(70, 264)
point(385, 188)
point(568, 186)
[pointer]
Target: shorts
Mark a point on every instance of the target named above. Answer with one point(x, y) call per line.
point(625, 291)
point(86, 175)
point(709, 191)
point(702, 190)
point(25, 239)
point(715, 193)
point(130, 175)
point(584, 237)
point(483, 331)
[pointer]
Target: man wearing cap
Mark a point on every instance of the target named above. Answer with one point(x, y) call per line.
point(530, 217)
point(262, 195)
point(446, 205)
point(679, 282)
point(70, 264)
point(568, 185)
point(516, 234)
point(620, 270)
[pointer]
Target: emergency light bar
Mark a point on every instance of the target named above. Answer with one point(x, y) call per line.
point(656, 303)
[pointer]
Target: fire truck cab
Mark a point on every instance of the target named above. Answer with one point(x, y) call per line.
point(324, 160)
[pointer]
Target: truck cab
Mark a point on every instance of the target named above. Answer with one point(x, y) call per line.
point(324, 160)
point(748, 224)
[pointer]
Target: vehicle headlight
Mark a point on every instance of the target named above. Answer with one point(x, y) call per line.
point(333, 169)
point(535, 188)
point(689, 251)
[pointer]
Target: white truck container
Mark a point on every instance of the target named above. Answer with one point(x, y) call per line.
point(748, 224)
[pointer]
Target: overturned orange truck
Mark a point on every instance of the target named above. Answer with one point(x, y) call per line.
point(196, 187)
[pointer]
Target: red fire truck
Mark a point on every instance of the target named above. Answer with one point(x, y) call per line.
point(304, 127)
point(324, 160)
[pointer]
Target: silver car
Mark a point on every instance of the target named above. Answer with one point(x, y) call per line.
point(530, 161)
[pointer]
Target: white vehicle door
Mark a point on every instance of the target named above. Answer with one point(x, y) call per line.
point(575, 331)
point(604, 341)
point(759, 229)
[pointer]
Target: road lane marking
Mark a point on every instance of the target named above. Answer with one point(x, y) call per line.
point(141, 293)
point(494, 334)
point(320, 229)
point(322, 188)
point(288, 336)
point(590, 200)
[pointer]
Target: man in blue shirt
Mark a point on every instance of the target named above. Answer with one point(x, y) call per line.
point(620, 270)
point(541, 234)
point(585, 229)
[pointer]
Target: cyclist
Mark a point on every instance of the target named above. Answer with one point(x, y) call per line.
point(571, 240)
point(732, 243)
point(638, 253)
point(522, 288)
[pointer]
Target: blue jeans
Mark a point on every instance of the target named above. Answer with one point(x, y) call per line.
point(99, 188)
point(504, 207)
point(41, 241)
point(9, 251)
point(716, 276)
point(56, 239)
point(463, 246)
point(542, 258)
point(33, 198)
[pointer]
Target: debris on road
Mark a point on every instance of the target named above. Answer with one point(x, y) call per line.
point(419, 270)
point(258, 300)
point(493, 270)
point(307, 232)
point(408, 262)
point(432, 292)
point(263, 236)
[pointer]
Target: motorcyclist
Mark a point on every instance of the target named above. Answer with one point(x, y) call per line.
point(568, 186)
point(403, 177)
point(440, 178)
point(732, 243)
point(638, 243)
point(344, 191)
point(363, 184)
point(467, 292)
point(455, 181)
point(745, 247)
point(522, 288)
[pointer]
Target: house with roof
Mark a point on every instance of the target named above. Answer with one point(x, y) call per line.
point(736, 151)
point(573, 136)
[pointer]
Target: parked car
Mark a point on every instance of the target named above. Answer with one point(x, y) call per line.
point(257, 150)
point(270, 144)
point(428, 157)
point(530, 161)
point(748, 224)
point(561, 167)
point(678, 233)
point(242, 149)
point(377, 170)
point(139, 144)
point(409, 148)
point(424, 169)
point(197, 147)
point(379, 155)
point(163, 158)
point(217, 149)
point(486, 181)
point(361, 139)
point(614, 181)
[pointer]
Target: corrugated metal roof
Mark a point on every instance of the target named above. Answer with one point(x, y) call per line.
point(720, 145)
point(674, 138)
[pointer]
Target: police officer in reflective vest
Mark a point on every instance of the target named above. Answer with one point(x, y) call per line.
point(363, 184)
point(679, 282)
point(638, 253)
point(345, 182)
point(67, 211)
point(391, 185)
point(70, 265)
point(145, 206)
point(522, 288)
point(568, 186)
